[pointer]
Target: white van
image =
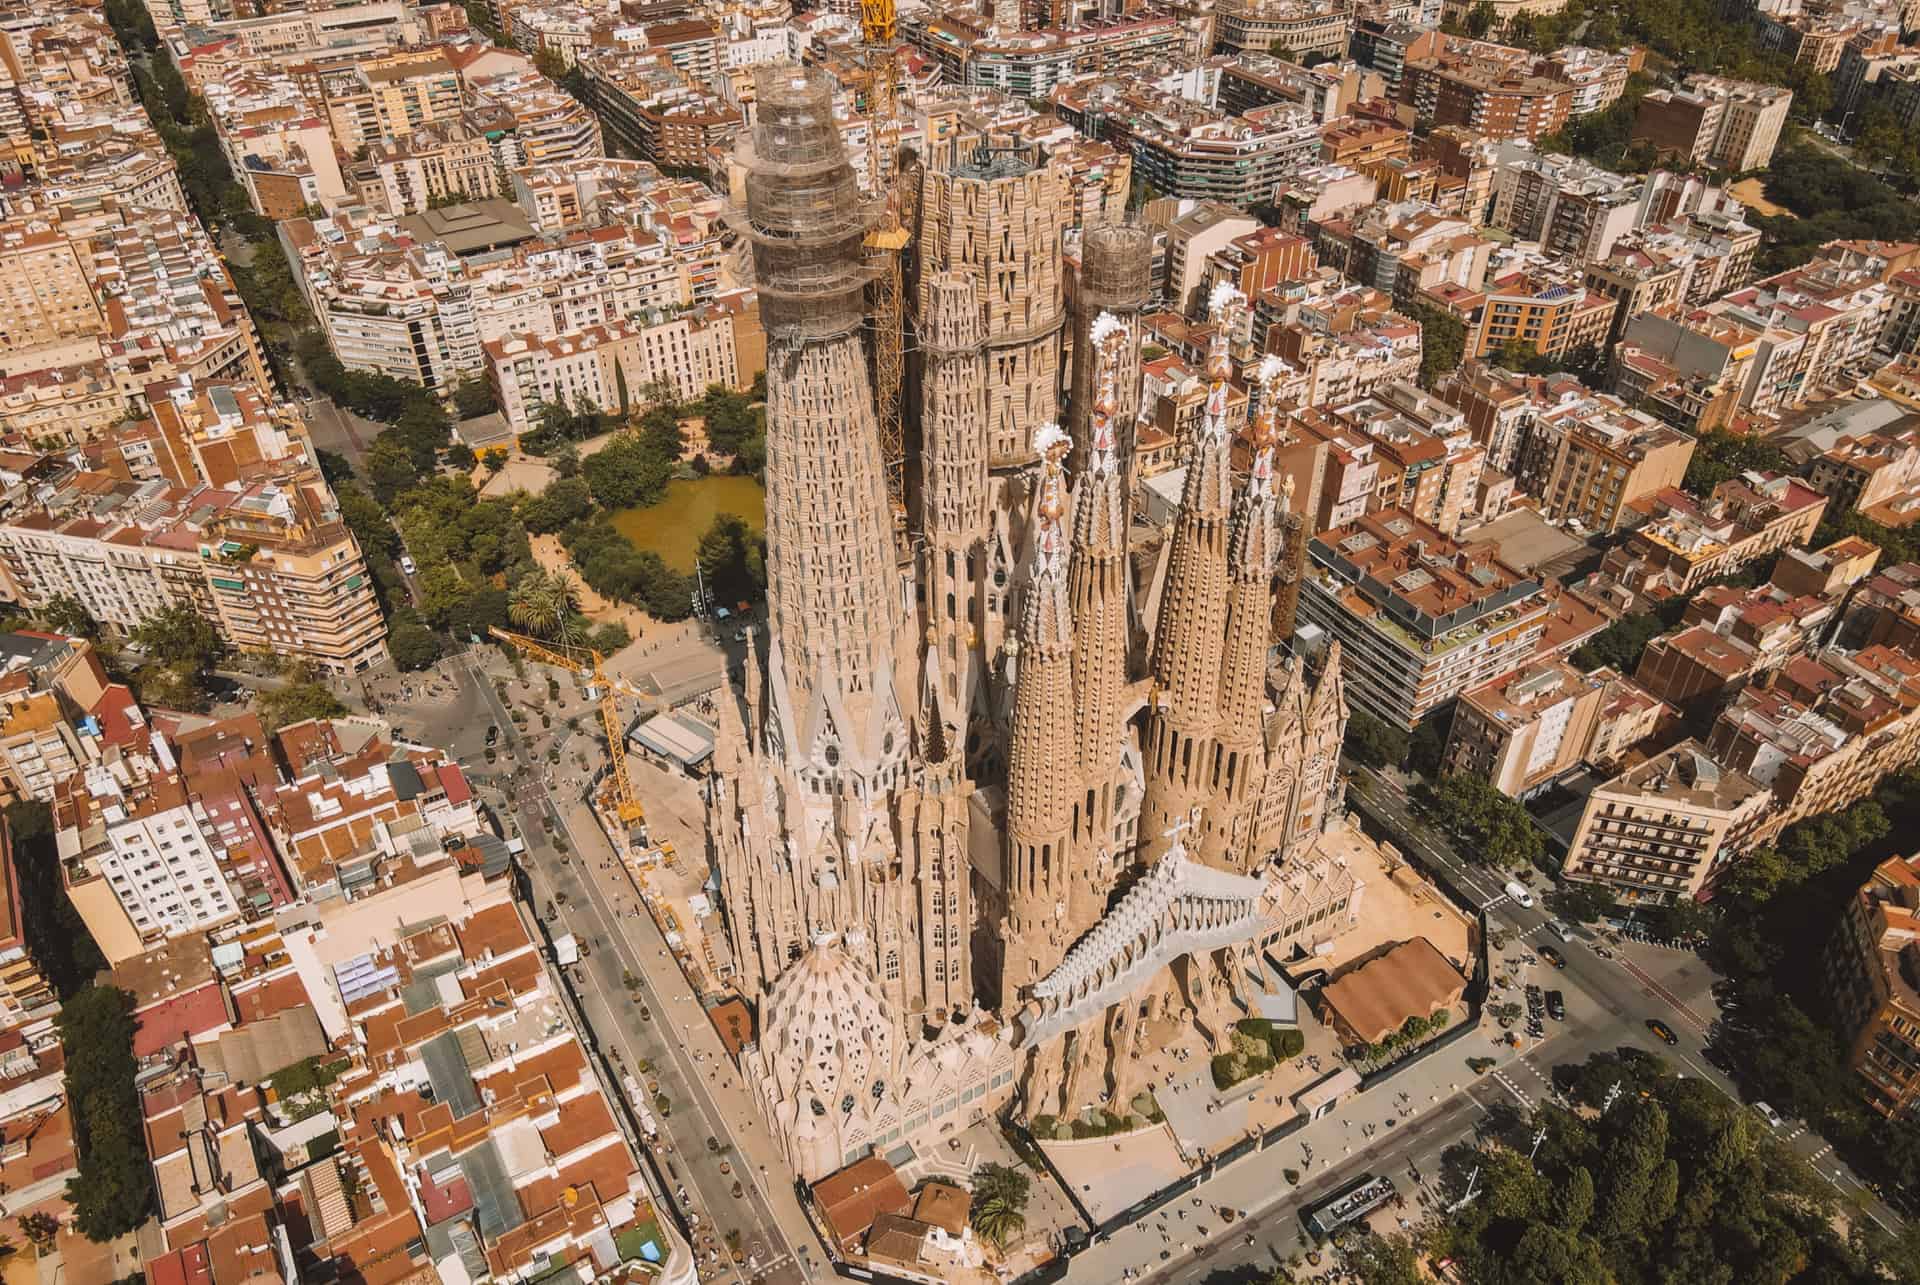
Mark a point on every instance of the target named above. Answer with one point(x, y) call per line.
point(1518, 891)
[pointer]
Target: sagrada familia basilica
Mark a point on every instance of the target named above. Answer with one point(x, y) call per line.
point(1010, 786)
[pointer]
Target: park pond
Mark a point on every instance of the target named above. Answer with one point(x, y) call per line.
point(673, 527)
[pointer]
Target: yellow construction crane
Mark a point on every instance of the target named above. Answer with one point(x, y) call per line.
point(604, 691)
point(879, 29)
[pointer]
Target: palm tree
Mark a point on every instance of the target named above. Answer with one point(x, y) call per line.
point(997, 1221)
point(543, 603)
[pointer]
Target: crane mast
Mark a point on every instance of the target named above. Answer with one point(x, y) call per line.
point(879, 27)
point(604, 691)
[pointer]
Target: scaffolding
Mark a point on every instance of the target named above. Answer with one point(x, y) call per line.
point(805, 217)
point(1116, 276)
point(887, 242)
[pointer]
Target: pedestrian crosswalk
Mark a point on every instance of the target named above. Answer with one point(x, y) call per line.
point(1507, 1082)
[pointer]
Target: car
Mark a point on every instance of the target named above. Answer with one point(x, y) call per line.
point(406, 563)
point(1662, 1030)
point(1556, 1006)
point(1553, 956)
point(493, 733)
point(1518, 891)
point(1559, 930)
point(1773, 1118)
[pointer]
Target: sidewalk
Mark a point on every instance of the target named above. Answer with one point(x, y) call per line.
point(1257, 1183)
point(684, 1015)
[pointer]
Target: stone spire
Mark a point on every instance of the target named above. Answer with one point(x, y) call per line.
point(1097, 574)
point(833, 593)
point(1040, 789)
point(954, 502)
point(1253, 558)
point(1193, 604)
point(1116, 275)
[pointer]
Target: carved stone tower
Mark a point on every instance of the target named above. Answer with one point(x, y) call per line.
point(955, 504)
point(1180, 773)
point(1098, 588)
point(1116, 273)
point(833, 594)
point(998, 217)
point(1040, 784)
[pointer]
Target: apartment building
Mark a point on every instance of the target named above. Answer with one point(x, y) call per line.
point(1426, 463)
point(1409, 249)
point(1666, 829)
point(1301, 27)
point(1876, 475)
point(1320, 193)
point(1574, 209)
point(1334, 355)
point(1687, 262)
point(1727, 637)
point(537, 122)
point(1256, 262)
point(1421, 618)
point(1328, 91)
point(1588, 458)
point(1822, 735)
point(702, 346)
point(1683, 543)
point(1498, 406)
point(1527, 730)
point(146, 845)
point(393, 302)
point(1710, 120)
point(1489, 88)
point(48, 315)
point(1541, 304)
point(437, 164)
point(1777, 343)
point(270, 562)
point(1191, 151)
point(1870, 969)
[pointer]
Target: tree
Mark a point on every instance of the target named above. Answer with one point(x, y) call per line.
point(40, 1229)
point(565, 501)
point(1385, 1260)
point(993, 1181)
point(56, 935)
point(627, 472)
point(179, 635)
point(996, 1223)
point(733, 560)
point(114, 1191)
point(389, 468)
point(1619, 645)
point(1481, 19)
point(1443, 343)
point(1000, 1195)
point(473, 397)
point(1484, 823)
point(542, 603)
point(1573, 1200)
point(65, 615)
point(297, 702)
point(1373, 743)
point(1720, 456)
point(551, 64)
point(1554, 1256)
point(412, 644)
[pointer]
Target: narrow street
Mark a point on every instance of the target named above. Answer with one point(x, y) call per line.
point(676, 1043)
